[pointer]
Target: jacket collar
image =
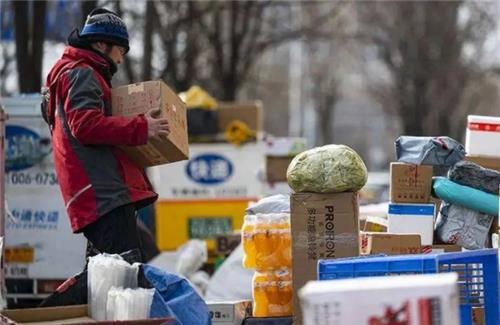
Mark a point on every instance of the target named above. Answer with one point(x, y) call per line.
point(92, 58)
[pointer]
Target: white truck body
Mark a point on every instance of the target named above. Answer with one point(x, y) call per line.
point(38, 239)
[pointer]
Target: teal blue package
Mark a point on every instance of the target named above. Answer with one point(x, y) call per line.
point(465, 196)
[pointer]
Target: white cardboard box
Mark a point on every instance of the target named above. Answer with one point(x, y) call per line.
point(410, 299)
point(230, 313)
point(412, 218)
point(285, 147)
point(483, 136)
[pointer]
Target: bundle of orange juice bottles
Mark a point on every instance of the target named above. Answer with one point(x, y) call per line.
point(267, 248)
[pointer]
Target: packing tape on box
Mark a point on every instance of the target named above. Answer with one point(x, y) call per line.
point(135, 88)
point(306, 239)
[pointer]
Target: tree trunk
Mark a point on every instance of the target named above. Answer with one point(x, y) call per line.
point(21, 23)
point(229, 89)
point(37, 42)
point(129, 71)
point(86, 7)
point(148, 40)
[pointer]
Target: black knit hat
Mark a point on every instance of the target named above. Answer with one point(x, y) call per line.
point(103, 25)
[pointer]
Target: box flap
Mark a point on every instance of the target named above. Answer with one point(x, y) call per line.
point(45, 314)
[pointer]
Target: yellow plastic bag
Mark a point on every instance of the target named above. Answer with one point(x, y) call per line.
point(196, 97)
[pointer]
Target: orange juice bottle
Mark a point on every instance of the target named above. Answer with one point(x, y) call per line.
point(285, 249)
point(285, 291)
point(249, 249)
point(260, 300)
point(273, 296)
point(273, 260)
point(262, 242)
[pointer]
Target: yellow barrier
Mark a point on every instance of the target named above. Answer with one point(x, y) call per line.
point(177, 221)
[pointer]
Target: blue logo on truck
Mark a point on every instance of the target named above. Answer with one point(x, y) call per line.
point(209, 169)
point(23, 148)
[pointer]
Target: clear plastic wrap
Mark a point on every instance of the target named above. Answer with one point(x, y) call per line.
point(129, 304)
point(266, 241)
point(104, 272)
point(192, 255)
point(272, 293)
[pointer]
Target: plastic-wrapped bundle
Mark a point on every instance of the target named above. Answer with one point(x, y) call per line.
point(328, 169)
point(462, 226)
point(272, 293)
point(465, 196)
point(129, 304)
point(435, 151)
point(472, 175)
point(279, 203)
point(104, 272)
point(192, 255)
point(266, 241)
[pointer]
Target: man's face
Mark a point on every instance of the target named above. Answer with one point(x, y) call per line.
point(114, 52)
point(117, 53)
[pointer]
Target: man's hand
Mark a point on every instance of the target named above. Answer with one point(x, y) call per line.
point(156, 126)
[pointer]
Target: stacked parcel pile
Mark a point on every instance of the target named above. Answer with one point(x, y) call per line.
point(324, 209)
point(412, 209)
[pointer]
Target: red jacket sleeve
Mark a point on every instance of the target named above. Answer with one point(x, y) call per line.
point(84, 114)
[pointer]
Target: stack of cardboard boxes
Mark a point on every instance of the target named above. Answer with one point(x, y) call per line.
point(410, 222)
point(409, 228)
point(482, 144)
point(324, 226)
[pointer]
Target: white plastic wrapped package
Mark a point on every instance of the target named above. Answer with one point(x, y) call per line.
point(279, 203)
point(104, 272)
point(231, 281)
point(129, 304)
point(200, 281)
point(462, 226)
point(191, 256)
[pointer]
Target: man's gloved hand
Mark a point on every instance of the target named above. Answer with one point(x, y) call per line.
point(156, 126)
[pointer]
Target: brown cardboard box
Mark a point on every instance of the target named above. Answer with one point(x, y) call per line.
point(324, 226)
point(250, 113)
point(478, 316)
point(141, 97)
point(486, 162)
point(74, 315)
point(445, 248)
point(225, 244)
point(276, 168)
point(390, 244)
point(410, 183)
point(374, 224)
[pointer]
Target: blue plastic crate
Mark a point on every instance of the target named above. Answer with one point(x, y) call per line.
point(477, 272)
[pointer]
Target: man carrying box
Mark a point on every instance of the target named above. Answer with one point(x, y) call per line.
point(102, 188)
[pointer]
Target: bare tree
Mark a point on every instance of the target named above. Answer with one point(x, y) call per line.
point(324, 58)
point(149, 23)
point(130, 73)
point(422, 45)
point(238, 33)
point(30, 36)
point(324, 89)
point(86, 6)
point(7, 59)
